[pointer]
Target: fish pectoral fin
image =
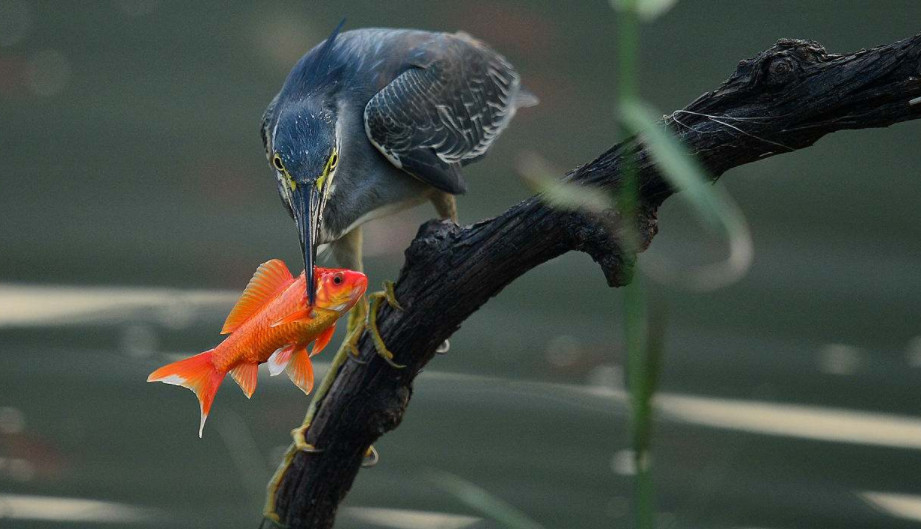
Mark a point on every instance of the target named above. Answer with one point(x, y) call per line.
point(323, 340)
point(295, 317)
point(246, 375)
point(270, 278)
point(279, 360)
point(300, 370)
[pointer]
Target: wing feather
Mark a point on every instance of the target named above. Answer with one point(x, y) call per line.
point(445, 110)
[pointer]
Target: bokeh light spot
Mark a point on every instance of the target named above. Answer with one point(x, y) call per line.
point(839, 359)
point(11, 420)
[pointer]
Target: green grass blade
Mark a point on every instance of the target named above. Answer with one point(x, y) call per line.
point(713, 204)
point(542, 178)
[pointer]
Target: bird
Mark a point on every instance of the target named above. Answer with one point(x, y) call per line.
point(372, 121)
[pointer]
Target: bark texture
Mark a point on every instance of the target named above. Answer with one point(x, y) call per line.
point(782, 100)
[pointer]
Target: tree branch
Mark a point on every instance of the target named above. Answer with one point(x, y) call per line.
point(782, 100)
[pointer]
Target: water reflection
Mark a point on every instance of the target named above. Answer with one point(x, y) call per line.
point(37, 305)
point(907, 506)
point(56, 509)
point(408, 519)
point(787, 420)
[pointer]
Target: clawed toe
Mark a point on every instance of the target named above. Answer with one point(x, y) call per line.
point(372, 457)
point(379, 344)
point(300, 442)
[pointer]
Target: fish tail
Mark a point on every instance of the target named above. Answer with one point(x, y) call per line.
point(196, 373)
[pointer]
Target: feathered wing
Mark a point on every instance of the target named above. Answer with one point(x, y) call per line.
point(445, 110)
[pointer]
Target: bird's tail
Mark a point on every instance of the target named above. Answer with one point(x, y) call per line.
point(525, 98)
point(196, 373)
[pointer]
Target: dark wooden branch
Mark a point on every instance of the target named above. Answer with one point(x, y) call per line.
point(784, 99)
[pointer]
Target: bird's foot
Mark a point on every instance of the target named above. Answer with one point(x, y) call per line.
point(300, 445)
point(371, 457)
point(391, 296)
point(273, 519)
point(376, 299)
point(300, 440)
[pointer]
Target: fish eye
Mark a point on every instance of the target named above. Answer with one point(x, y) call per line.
point(337, 279)
point(276, 161)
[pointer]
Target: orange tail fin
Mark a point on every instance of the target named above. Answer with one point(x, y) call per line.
point(196, 373)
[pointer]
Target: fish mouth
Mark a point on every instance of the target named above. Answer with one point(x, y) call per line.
point(361, 285)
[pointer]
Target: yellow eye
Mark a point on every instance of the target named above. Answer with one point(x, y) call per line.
point(333, 160)
point(276, 161)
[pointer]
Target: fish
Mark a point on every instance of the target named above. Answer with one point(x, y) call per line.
point(271, 323)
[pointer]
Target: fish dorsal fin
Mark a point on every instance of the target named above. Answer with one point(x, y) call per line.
point(270, 278)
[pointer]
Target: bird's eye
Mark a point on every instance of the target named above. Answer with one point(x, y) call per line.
point(337, 279)
point(333, 160)
point(276, 161)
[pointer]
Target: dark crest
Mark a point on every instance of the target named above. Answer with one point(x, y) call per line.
point(313, 70)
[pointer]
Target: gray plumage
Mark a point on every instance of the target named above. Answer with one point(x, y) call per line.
point(404, 109)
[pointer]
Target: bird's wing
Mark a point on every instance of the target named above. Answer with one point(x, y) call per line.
point(444, 110)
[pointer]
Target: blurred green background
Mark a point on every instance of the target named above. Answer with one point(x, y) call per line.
point(136, 202)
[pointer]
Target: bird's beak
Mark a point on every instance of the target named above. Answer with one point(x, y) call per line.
point(306, 209)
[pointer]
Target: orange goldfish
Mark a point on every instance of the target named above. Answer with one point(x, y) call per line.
point(271, 323)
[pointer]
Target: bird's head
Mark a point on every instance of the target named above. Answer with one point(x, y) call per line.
point(305, 156)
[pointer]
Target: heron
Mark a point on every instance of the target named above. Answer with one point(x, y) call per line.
point(373, 121)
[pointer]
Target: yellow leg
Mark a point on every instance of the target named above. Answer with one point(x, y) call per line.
point(376, 299)
point(347, 251)
point(446, 205)
point(354, 328)
point(268, 512)
point(361, 317)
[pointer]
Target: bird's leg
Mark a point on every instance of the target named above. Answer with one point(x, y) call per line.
point(376, 299)
point(445, 205)
point(268, 512)
point(354, 327)
point(347, 251)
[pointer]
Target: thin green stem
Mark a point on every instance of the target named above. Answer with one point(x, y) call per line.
point(627, 45)
point(640, 368)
